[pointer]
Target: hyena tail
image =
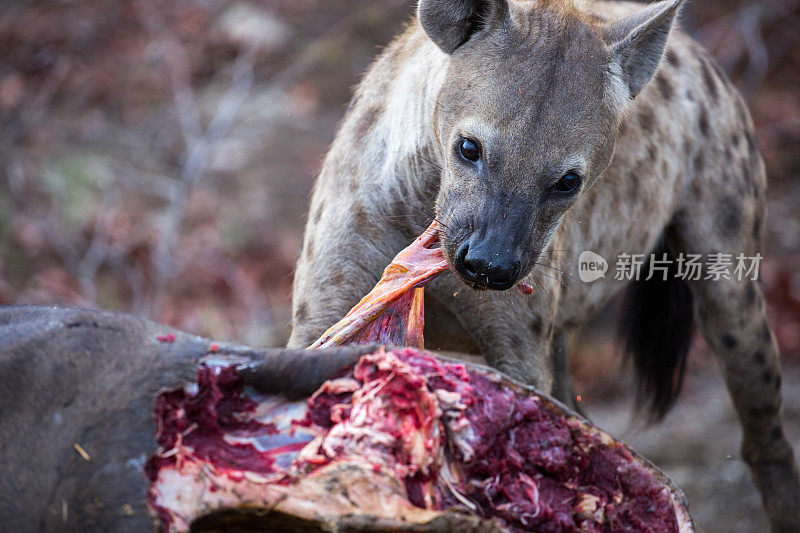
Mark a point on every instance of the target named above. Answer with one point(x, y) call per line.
point(656, 329)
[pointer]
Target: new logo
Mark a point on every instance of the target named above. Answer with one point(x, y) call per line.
point(591, 266)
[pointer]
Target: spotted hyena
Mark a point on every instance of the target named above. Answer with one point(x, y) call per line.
point(535, 129)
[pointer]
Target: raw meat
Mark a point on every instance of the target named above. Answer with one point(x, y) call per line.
point(431, 434)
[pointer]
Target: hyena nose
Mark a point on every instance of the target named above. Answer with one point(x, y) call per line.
point(493, 271)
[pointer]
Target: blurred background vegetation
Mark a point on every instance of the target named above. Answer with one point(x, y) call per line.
point(156, 157)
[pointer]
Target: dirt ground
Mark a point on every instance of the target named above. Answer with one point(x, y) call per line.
point(157, 157)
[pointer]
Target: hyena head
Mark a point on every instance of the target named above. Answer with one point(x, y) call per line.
point(527, 119)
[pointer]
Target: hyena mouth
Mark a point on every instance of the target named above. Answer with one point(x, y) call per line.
point(468, 282)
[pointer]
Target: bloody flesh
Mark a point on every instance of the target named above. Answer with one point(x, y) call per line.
point(514, 458)
point(452, 435)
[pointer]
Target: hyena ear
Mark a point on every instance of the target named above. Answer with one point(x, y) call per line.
point(451, 23)
point(637, 42)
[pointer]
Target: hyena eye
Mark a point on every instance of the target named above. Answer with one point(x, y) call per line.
point(469, 149)
point(567, 184)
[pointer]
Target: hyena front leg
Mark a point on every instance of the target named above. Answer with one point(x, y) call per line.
point(563, 389)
